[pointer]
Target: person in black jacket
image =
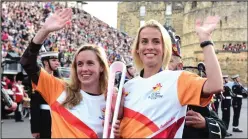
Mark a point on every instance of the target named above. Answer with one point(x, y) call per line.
point(226, 104)
point(237, 90)
point(40, 110)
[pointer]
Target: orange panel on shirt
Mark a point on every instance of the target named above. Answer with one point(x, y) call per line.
point(67, 130)
point(190, 88)
point(138, 125)
point(134, 128)
point(49, 86)
point(73, 120)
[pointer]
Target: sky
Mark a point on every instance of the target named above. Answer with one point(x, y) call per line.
point(105, 11)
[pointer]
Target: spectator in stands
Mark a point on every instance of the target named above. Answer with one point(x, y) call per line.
point(62, 57)
point(244, 46)
point(234, 48)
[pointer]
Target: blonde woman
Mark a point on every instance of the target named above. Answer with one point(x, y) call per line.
point(156, 101)
point(77, 108)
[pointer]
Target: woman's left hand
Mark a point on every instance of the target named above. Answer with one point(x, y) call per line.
point(117, 132)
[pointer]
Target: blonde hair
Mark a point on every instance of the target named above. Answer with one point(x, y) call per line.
point(73, 95)
point(167, 44)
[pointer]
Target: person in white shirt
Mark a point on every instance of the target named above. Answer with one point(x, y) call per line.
point(156, 101)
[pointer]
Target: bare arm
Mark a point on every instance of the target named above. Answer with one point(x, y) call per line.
point(214, 77)
point(214, 83)
point(41, 36)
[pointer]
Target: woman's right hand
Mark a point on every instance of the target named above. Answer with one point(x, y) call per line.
point(57, 20)
point(54, 22)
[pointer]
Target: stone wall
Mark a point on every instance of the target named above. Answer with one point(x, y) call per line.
point(230, 63)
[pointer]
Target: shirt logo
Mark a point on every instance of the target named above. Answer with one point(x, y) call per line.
point(156, 92)
point(102, 113)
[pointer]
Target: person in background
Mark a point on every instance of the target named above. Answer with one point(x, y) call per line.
point(7, 104)
point(226, 104)
point(62, 56)
point(217, 99)
point(129, 74)
point(131, 71)
point(237, 90)
point(19, 94)
point(40, 111)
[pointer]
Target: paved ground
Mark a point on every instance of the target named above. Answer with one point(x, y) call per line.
point(11, 129)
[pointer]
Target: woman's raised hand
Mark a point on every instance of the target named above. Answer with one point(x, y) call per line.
point(204, 30)
point(58, 20)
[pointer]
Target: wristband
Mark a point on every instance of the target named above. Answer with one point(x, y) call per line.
point(206, 43)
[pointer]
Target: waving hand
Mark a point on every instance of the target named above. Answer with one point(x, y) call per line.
point(205, 29)
point(58, 20)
